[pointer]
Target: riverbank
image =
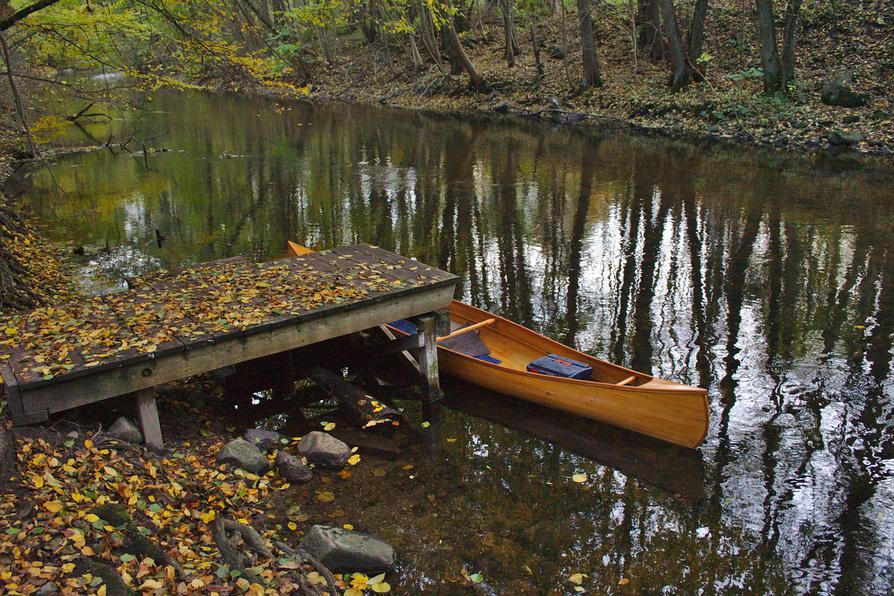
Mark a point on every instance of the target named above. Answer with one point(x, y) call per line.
point(728, 106)
point(30, 272)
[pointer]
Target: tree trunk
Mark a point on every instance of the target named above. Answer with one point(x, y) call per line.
point(592, 77)
point(769, 52)
point(429, 37)
point(679, 61)
point(458, 54)
point(696, 38)
point(792, 14)
point(415, 56)
point(650, 29)
point(512, 49)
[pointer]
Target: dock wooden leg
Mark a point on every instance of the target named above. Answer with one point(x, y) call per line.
point(149, 420)
point(427, 356)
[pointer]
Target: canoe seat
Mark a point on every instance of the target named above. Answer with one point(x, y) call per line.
point(488, 358)
point(405, 326)
point(469, 344)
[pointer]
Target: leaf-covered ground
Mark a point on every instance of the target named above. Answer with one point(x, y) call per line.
point(728, 105)
point(91, 515)
point(30, 273)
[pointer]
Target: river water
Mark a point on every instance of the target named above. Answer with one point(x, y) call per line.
point(768, 280)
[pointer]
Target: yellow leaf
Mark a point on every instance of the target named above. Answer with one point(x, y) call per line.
point(325, 496)
point(353, 592)
point(577, 578)
point(579, 478)
point(101, 591)
point(381, 587)
point(150, 584)
point(354, 460)
point(292, 526)
point(68, 567)
point(208, 516)
point(329, 426)
point(88, 444)
point(623, 581)
point(53, 506)
point(348, 527)
point(91, 517)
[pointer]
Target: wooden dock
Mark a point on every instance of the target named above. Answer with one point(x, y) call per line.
point(175, 325)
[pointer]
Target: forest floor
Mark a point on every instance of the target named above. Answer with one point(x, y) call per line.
point(728, 104)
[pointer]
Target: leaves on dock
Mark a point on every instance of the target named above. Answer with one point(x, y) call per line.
point(176, 310)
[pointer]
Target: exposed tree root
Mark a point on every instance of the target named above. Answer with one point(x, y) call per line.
point(242, 547)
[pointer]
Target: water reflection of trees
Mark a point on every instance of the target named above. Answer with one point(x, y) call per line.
point(707, 269)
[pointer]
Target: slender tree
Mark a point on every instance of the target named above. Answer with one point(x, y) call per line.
point(459, 56)
point(679, 59)
point(769, 53)
point(592, 76)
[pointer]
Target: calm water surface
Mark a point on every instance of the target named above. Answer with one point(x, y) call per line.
point(770, 284)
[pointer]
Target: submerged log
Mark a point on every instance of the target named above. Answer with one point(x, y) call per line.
point(356, 404)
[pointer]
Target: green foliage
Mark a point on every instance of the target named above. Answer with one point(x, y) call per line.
point(751, 73)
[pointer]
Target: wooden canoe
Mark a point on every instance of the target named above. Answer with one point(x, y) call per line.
point(616, 395)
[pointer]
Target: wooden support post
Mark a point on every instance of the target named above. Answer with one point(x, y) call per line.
point(149, 420)
point(427, 355)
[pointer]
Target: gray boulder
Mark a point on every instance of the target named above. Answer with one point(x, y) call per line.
point(839, 92)
point(263, 439)
point(324, 449)
point(291, 468)
point(844, 138)
point(341, 550)
point(124, 429)
point(242, 454)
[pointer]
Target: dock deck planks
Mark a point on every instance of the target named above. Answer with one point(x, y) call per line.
point(174, 325)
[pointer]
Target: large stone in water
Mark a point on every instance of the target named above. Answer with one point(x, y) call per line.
point(324, 449)
point(263, 439)
point(291, 468)
point(341, 550)
point(124, 429)
point(242, 454)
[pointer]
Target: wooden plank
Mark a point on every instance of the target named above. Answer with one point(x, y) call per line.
point(407, 263)
point(427, 355)
point(148, 412)
point(87, 389)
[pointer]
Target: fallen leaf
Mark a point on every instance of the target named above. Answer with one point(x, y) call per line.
point(579, 478)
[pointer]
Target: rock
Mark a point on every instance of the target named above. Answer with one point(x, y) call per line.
point(844, 138)
point(291, 468)
point(47, 589)
point(263, 439)
point(324, 449)
point(341, 550)
point(124, 429)
point(502, 107)
point(242, 454)
point(839, 92)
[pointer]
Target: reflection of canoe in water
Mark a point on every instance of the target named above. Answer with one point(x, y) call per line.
point(675, 469)
point(493, 352)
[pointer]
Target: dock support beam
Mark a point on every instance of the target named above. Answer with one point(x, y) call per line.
point(148, 412)
point(427, 356)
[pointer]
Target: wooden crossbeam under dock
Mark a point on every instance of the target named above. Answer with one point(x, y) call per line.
point(175, 325)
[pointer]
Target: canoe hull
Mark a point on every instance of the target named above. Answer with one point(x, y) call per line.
point(669, 411)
